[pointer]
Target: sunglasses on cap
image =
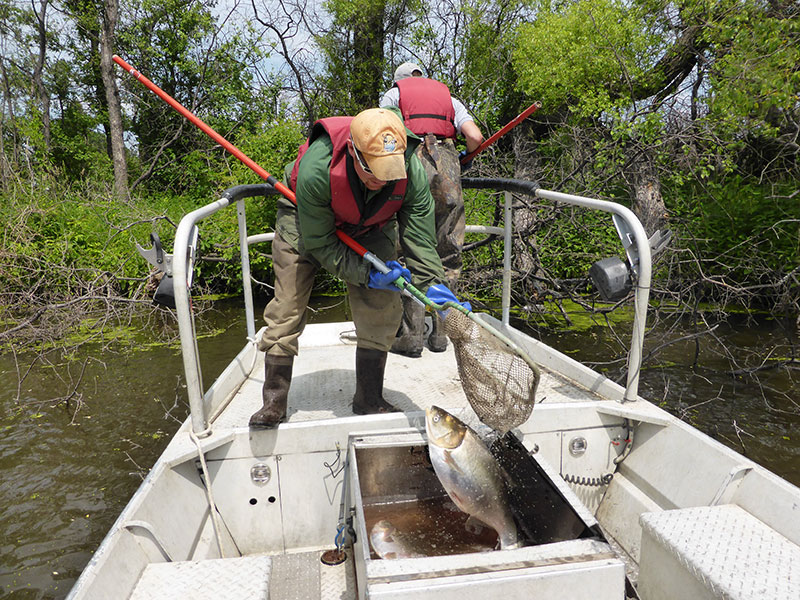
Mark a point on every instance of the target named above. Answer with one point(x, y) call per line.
point(360, 160)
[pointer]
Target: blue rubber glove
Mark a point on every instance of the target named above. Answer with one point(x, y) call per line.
point(464, 166)
point(440, 293)
point(385, 281)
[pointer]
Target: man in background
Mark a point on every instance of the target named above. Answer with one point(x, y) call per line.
point(433, 114)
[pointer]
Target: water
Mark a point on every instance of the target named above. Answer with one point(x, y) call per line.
point(727, 383)
point(65, 478)
point(67, 475)
point(427, 527)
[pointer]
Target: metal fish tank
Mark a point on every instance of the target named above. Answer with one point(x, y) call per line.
point(410, 540)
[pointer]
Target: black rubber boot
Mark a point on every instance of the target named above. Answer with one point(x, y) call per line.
point(409, 340)
point(370, 367)
point(437, 340)
point(275, 393)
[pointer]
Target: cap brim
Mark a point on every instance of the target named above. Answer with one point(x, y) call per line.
point(387, 168)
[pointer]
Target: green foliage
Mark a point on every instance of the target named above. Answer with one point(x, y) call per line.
point(742, 229)
point(568, 240)
point(272, 145)
point(178, 47)
point(719, 133)
point(574, 239)
point(353, 54)
point(578, 54)
point(62, 240)
point(480, 208)
point(78, 150)
point(754, 83)
point(488, 81)
point(627, 71)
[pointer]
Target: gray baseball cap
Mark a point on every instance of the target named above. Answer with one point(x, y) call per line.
point(407, 70)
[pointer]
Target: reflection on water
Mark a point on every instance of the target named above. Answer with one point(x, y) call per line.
point(65, 480)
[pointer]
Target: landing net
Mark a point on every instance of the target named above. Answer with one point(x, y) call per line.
point(499, 384)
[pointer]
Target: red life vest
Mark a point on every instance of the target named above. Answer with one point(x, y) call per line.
point(351, 213)
point(427, 107)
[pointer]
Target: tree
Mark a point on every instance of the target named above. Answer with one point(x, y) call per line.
point(26, 99)
point(354, 52)
point(110, 18)
point(203, 66)
point(37, 78)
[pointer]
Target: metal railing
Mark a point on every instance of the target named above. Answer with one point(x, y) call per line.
point(637, 239)
point(180, 269)
point(183, 260)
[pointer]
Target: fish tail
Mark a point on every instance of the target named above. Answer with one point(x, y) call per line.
point(509, 540)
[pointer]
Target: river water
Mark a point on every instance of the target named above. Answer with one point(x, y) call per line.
point(67, 474)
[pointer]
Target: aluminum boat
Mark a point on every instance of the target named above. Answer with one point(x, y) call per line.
point(614, 497)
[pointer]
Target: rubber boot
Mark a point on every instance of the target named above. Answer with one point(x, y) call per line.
point(437, 340)
point(275, 393)
point(370, 367)
point(409, 340)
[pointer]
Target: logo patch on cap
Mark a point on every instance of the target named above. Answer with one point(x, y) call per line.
point(389, 142)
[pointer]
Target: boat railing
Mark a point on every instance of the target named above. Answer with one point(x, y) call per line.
point(633, 237)
point(185, 239)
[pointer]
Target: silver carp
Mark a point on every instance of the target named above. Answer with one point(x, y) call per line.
point(389, 543)
point(469, 473)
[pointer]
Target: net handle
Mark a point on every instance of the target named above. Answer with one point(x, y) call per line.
point(408, 287)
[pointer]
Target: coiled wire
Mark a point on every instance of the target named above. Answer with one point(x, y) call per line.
point(589, 481)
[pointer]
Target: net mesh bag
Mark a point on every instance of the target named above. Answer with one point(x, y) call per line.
point(499, 384)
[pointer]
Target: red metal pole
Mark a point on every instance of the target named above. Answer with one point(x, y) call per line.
point(346, 239)
point(509, 126)
point(207, 130)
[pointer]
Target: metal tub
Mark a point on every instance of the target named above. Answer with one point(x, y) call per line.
point(390, 478)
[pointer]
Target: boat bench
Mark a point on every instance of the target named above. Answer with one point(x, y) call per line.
point(244, 578)
point(711, 552)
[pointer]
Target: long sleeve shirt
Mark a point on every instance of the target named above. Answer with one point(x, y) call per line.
point(392, 98)
point(312, 229)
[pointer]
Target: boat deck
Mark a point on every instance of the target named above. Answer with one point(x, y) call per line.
point(323, 382)
point(296, 576)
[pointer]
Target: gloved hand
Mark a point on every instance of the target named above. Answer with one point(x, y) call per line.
point(385, 281)
point(440, 293)
point(467, 165)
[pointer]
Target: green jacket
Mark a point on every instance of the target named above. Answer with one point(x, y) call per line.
point(309, 227)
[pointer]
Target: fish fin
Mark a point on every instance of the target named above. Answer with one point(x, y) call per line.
point(515, 545)
point(474, 525)
point(510, 540)
point(510, 484)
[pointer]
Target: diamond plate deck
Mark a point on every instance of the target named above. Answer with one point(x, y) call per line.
point(303, 576)
point(733, 554)
point(245, 578)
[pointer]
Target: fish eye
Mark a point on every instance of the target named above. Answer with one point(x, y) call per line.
point(436, 418)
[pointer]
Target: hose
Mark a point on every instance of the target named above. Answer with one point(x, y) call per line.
point(628, 443)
